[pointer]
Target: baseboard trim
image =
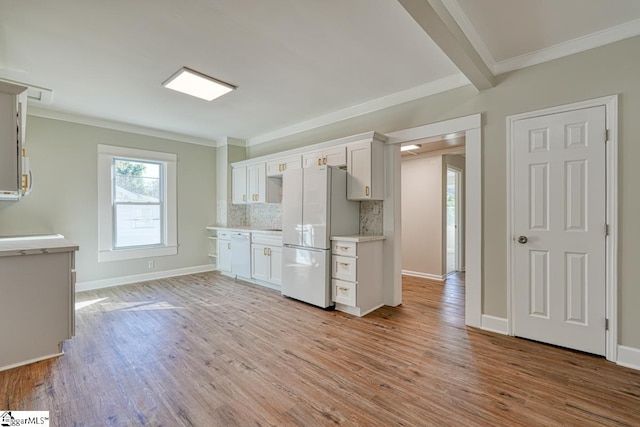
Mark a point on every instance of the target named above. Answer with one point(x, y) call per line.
point(127, 280)
point(435, 277)
point(26, 362)
point(628, 357)
point(495, 324)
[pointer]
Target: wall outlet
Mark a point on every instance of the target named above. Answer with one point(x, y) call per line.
point(151, 265)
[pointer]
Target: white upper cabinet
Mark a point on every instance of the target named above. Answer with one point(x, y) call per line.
point(256, 181)
point(14, 180)
point(331, 156)
point(276, 167)
point(365, 170)
point(239, 185)
point(251, 185)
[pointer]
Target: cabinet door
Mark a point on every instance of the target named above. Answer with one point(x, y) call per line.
point(335, 156)
point(239, 185)
point(9, 144)
point(257, 177)
point(224, 255)
point(275, 264)
point(312, 159)
point(275, 168)
point(359, 171)
point(259, 262)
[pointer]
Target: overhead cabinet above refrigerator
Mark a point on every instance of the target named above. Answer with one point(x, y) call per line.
point(15, 175)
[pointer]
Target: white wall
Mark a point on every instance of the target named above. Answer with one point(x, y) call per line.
point(422, 216)
point(64, 200)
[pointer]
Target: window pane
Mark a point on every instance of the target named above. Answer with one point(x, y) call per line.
point(137, 225)
point(137, 181)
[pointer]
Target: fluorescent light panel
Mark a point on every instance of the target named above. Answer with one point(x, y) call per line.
point(409, 147)
point(197, 84)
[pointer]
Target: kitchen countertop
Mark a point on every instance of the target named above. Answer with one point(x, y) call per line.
point(358, 238)
point(37, 244)
point(248, 229)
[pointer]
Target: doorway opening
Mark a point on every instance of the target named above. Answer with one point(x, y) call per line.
point(454, 223)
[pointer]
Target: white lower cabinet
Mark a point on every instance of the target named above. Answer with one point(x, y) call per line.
point(224, 251)
point(356, 273)
point(266, 258)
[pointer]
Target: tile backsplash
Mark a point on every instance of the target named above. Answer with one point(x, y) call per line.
point(269, 215)
point(371, 218)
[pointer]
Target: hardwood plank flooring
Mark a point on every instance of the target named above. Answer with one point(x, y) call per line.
point(205, 350)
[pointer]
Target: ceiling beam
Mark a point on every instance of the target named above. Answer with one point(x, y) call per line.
point(437, 22)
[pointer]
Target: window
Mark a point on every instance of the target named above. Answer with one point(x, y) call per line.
point(137, 203)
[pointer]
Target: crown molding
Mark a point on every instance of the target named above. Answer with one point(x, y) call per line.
point(442, 85)
point(580, 44)
point(119, 126)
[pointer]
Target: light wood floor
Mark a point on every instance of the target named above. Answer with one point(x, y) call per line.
point(204, 350)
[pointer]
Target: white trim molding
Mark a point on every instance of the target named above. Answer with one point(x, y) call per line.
point(629, 357)
point(106, 251)
point(495, 324)
point(611, 283)
point(438, 86)
point(436, 277)
point(127, 280)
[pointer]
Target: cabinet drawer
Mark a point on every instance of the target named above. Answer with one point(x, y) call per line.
point(266, 239)
point(340, 247)
point(224, 235)
point(343, 292)
point(343, 268)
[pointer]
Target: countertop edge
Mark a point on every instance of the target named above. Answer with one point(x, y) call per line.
point(245, 229)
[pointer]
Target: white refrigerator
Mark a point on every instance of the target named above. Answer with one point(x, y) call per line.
point(314, 208)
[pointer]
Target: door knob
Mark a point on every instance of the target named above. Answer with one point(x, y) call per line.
point(523, 239)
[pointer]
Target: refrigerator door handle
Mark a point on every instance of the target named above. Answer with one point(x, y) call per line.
point(306, 248)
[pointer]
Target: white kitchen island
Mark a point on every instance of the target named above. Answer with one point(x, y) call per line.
point(37, 297)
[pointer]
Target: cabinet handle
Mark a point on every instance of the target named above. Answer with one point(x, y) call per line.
point(319, 161)
point(324, 160)
point(264, 251)
point(269, 251)
point(284, 167)
point(366, 190)
point(344, 264)
point(244, 197)
point(280, 167)
point(343, 289)
point(229, 245)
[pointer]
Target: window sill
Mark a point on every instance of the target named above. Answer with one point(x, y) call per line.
point(125, 254)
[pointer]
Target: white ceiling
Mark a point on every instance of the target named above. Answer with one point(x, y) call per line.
point(297, 63)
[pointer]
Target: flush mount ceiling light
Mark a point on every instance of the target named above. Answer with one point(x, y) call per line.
point(409, 147)
point(197, 84)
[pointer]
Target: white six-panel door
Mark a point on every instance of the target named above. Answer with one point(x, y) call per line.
point(559, 224)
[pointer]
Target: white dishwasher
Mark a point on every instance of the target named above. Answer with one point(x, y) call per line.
point(241, 254)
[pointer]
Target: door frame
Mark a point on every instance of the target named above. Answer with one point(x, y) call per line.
point(459, 224)
point(472, 127)
point(611, 242)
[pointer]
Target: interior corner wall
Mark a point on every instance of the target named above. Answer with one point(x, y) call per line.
point(64, 199)
point(422, 220)
point(606, 70)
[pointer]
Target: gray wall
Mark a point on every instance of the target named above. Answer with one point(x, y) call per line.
point(64, 200)
point(611, 69)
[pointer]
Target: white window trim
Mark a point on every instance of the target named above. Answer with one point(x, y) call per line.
point(106, 252)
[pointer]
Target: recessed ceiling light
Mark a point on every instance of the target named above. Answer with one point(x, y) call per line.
point(197, 84)
point(409, 147)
